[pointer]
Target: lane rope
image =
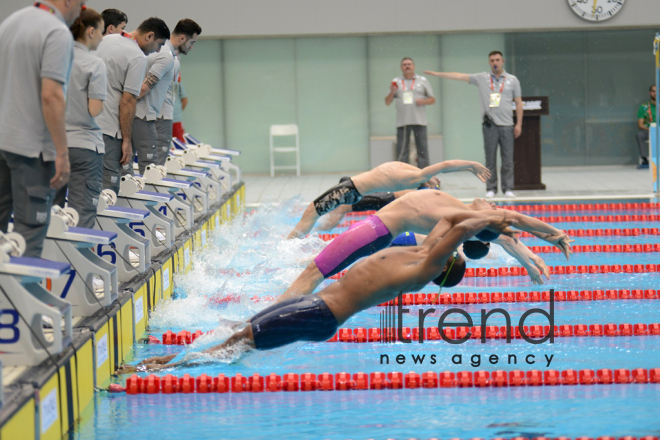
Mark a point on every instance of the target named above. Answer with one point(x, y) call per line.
point(255, 383)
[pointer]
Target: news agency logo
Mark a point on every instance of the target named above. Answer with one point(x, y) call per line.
point(391, 319)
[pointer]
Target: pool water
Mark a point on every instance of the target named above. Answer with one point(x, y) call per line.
point(249, 261)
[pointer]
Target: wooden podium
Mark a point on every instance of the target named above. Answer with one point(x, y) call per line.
point(527, 148)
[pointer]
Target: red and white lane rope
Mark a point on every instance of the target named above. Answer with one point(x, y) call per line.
point(344, 381)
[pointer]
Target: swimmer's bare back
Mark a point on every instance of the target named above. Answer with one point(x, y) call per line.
point(391, 176)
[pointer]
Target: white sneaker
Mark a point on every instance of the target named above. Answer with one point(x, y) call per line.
point(510, 195)
point(490, 194)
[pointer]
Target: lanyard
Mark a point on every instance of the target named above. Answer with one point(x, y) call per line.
point(491, 83)
point(130, 37)
point(648, 109)
point(44, 7)
point(412, 86)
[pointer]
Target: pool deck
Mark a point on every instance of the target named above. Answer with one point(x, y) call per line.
point(565, 183)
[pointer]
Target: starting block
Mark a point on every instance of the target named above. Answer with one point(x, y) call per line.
point(160, 227)
point(22, 296)
point(92, 282)
point(204, 179)
point(131, 248)
point(199, 198)
point(227, 154)
point(192, 158)
point(178, 209)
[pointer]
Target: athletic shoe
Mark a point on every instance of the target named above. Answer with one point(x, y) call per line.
point(490, 194)
point(510, 195)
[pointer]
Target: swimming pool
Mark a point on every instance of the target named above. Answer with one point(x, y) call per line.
point(249, 261)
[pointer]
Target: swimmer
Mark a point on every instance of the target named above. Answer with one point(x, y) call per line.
point(419, 212)
point(390, 176)
point(374, 280)
point(370, 202)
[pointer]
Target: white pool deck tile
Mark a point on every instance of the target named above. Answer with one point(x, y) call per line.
point(596, 182)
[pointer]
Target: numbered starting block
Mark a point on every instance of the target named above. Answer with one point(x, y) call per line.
point(205, 180)
point(23, 300)
point(191, 157)
point(178, 209)
point(199, 198)
point(157, 226)
point(205, 151)
point(130, 252)
point(92, 282)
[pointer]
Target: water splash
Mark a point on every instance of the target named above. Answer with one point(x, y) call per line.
point(247, 263)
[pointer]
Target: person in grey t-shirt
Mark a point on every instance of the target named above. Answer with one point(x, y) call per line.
point(183, 39)
point(497, 92)
point(114, 21)
point(36, 52)
point(124, 57)
point(412, 93)
point(86, 92)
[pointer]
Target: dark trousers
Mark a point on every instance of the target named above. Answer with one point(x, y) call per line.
point(145, 139)
point(501, 135)
point(421, 142)
point(84, 185)
point(164, 129)
point(642, 143)
point(111, 167)
point(25, 190)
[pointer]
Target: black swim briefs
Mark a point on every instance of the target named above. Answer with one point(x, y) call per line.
point(373, 202)
point(306, 318)
point(344, 193)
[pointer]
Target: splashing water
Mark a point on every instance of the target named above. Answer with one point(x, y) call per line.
point(247, 263)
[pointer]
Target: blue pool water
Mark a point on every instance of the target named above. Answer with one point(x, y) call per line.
point(254, 247)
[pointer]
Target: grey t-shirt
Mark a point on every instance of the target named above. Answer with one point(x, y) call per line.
point(34, 44)
point(502, 115)
point(411, 114)
point(88, 81)
point(167, 110)
point(161, 65)
point(126, 66)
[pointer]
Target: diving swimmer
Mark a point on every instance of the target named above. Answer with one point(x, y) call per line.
point(390, 176)
point(372, 281)
point(418, 212)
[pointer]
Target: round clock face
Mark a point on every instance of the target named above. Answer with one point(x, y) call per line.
point(596, 10)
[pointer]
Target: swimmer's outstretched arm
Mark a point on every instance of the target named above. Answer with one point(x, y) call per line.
point(535, 266)
point(450, 166)
point(543, 231)
point(473, 223)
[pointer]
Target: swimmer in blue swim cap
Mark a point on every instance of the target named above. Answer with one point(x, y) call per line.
point(418, 212)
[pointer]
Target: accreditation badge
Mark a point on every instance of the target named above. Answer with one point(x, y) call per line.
point(407, 98)
point(495, 99)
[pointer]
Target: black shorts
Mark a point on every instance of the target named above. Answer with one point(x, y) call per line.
point(306, 318)
point(373, 202)
point(344, 193)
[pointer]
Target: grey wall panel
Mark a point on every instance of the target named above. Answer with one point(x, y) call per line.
point(231, 18)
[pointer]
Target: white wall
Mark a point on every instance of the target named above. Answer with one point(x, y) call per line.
point(244, 18)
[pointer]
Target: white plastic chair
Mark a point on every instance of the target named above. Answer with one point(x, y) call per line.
point(284, 130)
